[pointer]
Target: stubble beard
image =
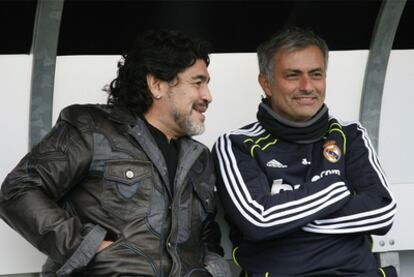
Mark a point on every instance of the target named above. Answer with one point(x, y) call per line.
point(187, 124)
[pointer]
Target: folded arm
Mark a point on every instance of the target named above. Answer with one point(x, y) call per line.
point(371, 207)
point(246, 197)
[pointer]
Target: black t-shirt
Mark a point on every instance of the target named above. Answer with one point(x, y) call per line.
point(169, 149)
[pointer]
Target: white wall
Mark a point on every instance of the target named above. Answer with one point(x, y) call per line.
point(395, 144)
point(16, 255)
point(395, 148)
point(236, 94)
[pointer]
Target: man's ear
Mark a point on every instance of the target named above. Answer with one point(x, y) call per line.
point(154, 85)
point(265, 84)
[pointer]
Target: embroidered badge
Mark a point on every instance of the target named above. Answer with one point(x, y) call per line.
point(331, 151)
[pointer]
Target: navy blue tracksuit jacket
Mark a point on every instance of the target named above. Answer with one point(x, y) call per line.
point(303, 209)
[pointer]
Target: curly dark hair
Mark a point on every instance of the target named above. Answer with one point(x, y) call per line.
point(161, 53)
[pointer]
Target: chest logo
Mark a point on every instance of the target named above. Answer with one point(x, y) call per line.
point(275, 163)
point(331, 151)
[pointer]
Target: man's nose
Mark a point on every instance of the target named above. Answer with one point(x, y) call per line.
point(305, 84)
point(206, 95)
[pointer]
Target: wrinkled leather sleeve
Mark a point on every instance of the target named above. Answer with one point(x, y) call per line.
point(210, 234)
point(29, 194)
point(216, 265)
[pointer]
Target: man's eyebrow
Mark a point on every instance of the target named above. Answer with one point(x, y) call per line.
point(293, 70)
point(317, 69)
point(201, 78)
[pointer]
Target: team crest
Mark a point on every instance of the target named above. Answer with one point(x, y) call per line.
point(331, 151)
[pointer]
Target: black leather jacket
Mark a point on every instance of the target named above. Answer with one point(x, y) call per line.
point(100, 175)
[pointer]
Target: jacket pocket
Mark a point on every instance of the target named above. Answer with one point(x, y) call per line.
point(205, 197)
point(127, 188)
point(121, 258)
point(198, 272)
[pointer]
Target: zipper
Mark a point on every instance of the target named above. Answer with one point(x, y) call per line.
point(174, 229)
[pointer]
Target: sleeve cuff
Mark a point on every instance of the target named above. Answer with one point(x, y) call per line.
point(85, 252)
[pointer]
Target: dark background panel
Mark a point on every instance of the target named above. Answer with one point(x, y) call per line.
point(16, 26)
point(404, 37)
point(109, 26)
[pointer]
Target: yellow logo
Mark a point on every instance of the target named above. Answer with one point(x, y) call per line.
point(331, 151)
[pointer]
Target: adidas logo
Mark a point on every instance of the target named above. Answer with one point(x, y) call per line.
point(276, 164)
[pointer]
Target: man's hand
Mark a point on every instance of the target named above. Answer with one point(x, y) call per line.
point(104, 244)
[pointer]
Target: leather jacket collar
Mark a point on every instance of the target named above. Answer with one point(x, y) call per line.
point(123, 115)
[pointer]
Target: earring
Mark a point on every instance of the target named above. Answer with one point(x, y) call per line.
point(158, 97)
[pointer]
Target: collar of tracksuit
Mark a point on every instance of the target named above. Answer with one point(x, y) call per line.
point(299, 132)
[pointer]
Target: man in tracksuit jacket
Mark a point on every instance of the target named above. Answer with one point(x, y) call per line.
point(302, 190)
point(122, 189)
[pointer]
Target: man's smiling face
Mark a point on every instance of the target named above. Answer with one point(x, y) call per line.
point(297, 90)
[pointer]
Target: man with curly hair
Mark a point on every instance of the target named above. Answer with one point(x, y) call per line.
point(122, 189)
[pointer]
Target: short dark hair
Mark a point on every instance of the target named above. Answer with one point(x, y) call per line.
point(162, 53)
point(290, 38)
